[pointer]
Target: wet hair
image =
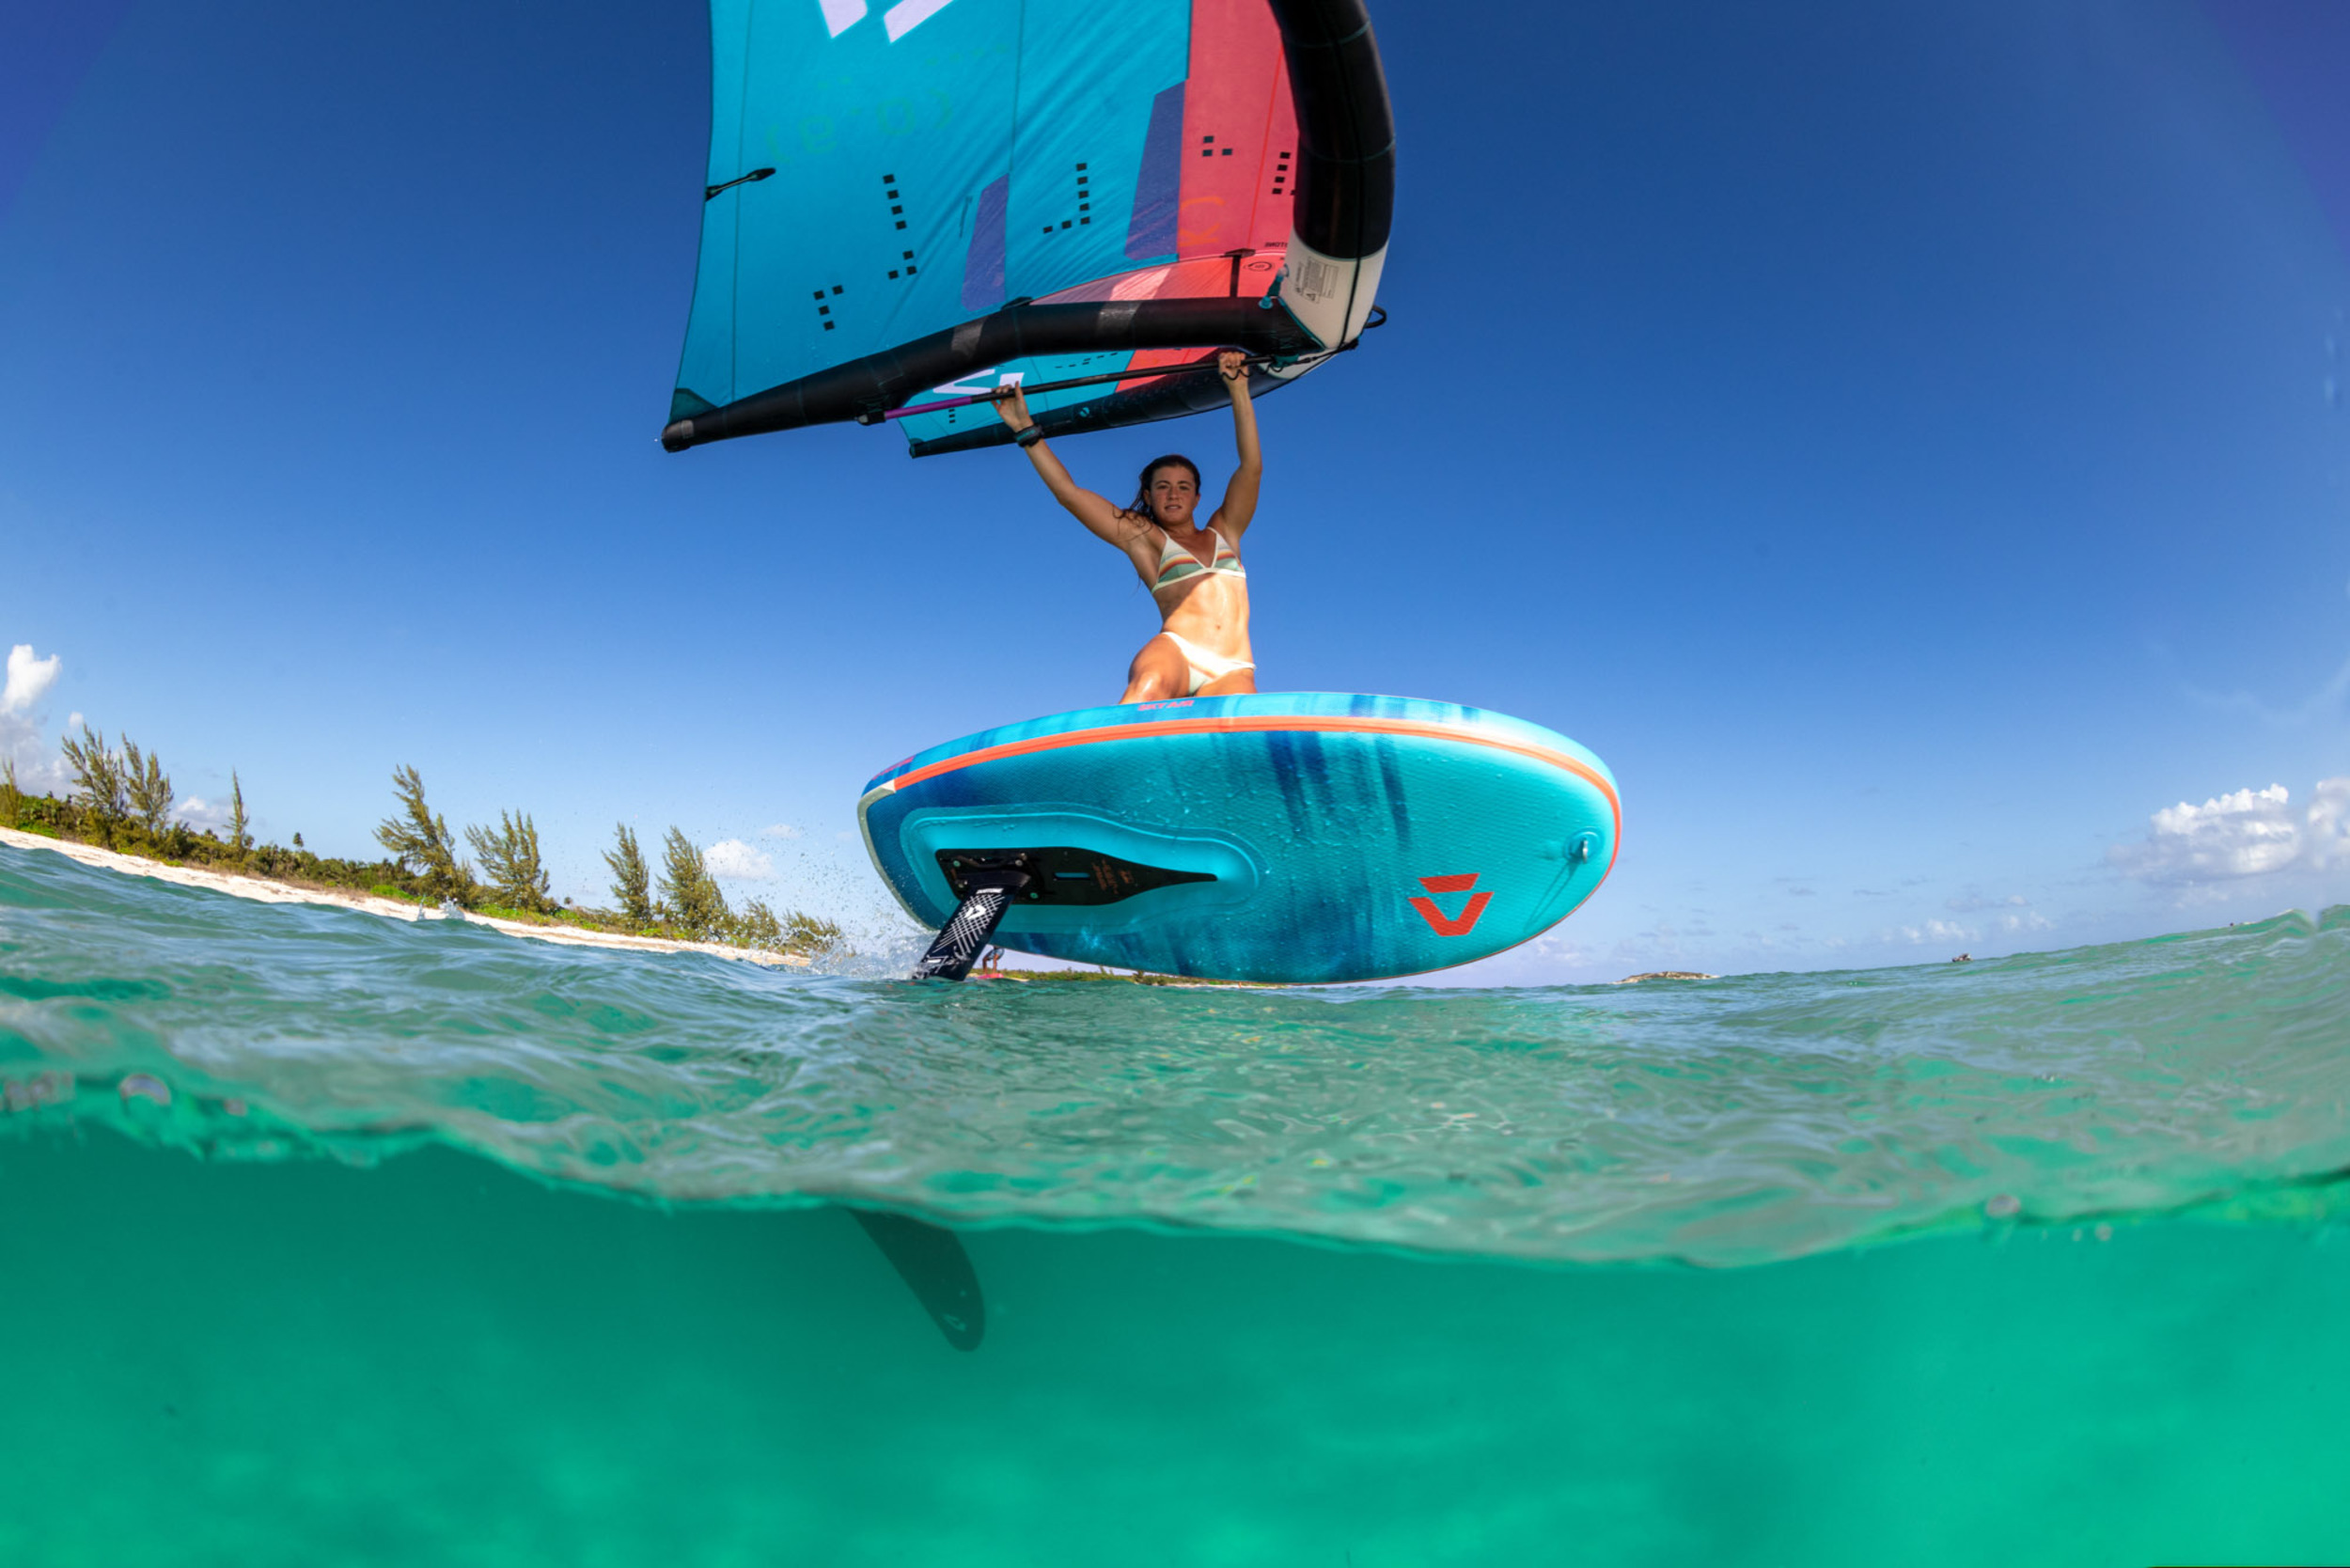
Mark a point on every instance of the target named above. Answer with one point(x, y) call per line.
point(1142, 494)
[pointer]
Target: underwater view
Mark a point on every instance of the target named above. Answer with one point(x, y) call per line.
point(1653, 702)
point(337, 1238)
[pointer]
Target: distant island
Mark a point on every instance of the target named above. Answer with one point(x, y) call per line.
point(122, 801)
point(1665, 974)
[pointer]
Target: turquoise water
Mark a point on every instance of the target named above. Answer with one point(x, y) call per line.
point(335, 1239)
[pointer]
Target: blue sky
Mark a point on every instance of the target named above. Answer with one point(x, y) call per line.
point(1908, 443)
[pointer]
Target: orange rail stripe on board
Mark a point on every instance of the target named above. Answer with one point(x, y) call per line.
point(1239, 723)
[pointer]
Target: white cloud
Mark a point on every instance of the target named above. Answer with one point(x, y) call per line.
point(2249, 833)
point(2321, 704)
point(1973, 901)
point(2328, 823)
point(737, 861)
point(28, 679)
point(1560, 948)
point(780, 830)
point(200, 813)
point(2016, 918)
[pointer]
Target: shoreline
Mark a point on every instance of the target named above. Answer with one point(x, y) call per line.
point(263, 890)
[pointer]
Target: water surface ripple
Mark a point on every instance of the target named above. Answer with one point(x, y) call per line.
point(1717, 1123)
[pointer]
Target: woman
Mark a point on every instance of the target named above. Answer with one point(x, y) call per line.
point(1194, 574)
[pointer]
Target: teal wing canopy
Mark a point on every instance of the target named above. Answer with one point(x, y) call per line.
point(912, 202)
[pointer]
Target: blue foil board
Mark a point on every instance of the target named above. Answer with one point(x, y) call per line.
point(1325, 835)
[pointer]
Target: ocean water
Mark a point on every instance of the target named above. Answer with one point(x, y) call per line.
point(331, 1239)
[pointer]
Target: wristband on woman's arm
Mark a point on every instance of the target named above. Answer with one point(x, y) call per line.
point(1030, 436)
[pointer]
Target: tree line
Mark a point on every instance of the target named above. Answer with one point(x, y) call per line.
point(122, 799)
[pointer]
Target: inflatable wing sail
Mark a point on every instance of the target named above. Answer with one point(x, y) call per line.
point(912, 202)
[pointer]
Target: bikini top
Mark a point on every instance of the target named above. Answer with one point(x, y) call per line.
point(1179, 565)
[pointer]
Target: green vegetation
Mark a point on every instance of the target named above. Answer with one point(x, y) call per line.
point(632, 883)
point(510, 856)
point(97, 783)
point(420, 844)
point(692, 906)
point(149, 790)
point(690, 899)
point(122, 800)
point(239, 826)
point(759, 926)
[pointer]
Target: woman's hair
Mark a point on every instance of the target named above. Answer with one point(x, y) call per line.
point(1142, 494)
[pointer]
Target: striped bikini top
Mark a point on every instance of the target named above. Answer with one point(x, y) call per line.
point(1179, 565)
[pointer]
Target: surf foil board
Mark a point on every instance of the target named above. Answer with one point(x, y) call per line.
point(1291, 837)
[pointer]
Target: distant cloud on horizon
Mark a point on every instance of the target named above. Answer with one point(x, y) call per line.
point(2016, 918)
point(737, 861)
point(1971, 903)
point(780, 830)
point(1933, 930)
point(2249, 833)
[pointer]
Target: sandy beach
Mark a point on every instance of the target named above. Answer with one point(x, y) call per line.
point(262, 890)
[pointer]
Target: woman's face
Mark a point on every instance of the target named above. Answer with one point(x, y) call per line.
point(1174, 495)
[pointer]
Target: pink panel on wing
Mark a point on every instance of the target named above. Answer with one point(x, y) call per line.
point(1239, 134)
point(1207, 278)
point(1155, 359)
point(1174, 280)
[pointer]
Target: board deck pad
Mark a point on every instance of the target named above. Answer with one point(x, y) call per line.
point(1289, 836)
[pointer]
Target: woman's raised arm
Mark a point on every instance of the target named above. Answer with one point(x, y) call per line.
point(1239, 497)
point(1095, 511)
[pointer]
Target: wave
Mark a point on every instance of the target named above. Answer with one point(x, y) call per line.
point(1717, 1122)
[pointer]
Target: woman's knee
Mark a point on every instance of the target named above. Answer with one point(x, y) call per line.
point(1158, 671)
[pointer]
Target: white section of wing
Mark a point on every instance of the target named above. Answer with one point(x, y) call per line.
point(906, 15)
point(1330, 298)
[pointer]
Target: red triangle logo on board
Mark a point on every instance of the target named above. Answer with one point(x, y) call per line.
point(1435, 916)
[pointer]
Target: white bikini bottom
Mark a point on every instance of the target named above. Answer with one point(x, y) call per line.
point(1206, 667)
